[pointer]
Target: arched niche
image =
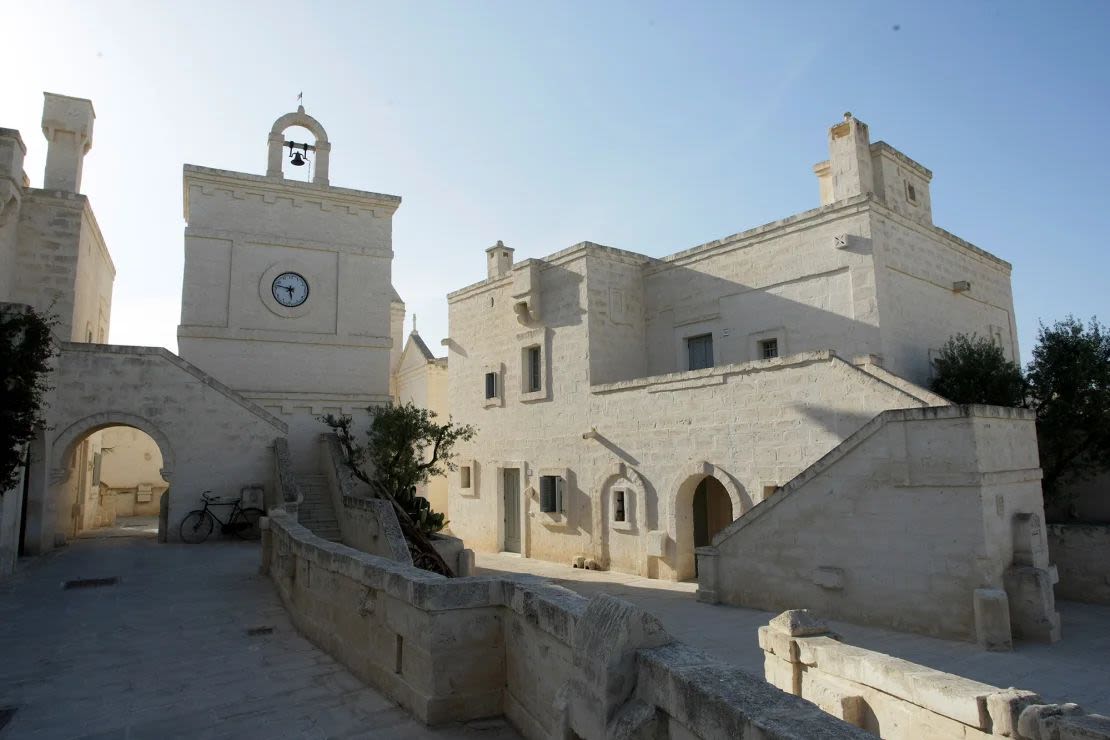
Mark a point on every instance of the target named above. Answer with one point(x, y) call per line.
point(277, 143)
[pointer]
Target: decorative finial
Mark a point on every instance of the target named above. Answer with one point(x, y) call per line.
point(847, 115)
point(300, 101)
point(500, 243)
point(414, 324)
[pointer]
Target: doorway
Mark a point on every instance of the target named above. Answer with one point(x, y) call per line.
point(511, 492)
point(712, 511)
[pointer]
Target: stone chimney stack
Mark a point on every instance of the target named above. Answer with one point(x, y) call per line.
point(849, 170)
point(499, 260)
point(67, 124)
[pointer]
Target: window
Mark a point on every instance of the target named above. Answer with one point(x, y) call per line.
point(700, 349)
point(491, 385)
point(618, 506)
point(97, 458)
point(533, 370)
point(464, 476)
point(911, 193)
point(551, 494)
point(769, 349)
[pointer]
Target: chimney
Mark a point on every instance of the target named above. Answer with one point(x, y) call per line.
point(499, 260)
point(849, 167)
point(67, 124)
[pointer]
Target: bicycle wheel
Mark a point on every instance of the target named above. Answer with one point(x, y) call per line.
point(246, 524)
point(196, 526)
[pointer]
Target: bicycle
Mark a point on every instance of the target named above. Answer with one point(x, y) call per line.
point(198, 524)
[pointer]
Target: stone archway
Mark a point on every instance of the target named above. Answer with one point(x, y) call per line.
point(64, 462)
point(277, 141)
point(680, 515)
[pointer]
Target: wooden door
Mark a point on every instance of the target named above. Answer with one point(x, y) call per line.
point(511, 490)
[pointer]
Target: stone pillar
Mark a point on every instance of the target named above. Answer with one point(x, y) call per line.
point(992, 619)
point(708, 559)
point(67, 124)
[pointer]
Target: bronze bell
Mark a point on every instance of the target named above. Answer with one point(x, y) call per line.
point(298, 160)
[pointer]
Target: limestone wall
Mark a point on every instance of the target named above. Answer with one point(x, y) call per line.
point(902, 525)
point(898, 700)
point(130, 470)
point(11, 507)
point(917, 268)
point(1081, 553)
point(552, 662)
point(210, 437)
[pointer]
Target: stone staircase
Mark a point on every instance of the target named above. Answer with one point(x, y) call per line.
point(316, 511)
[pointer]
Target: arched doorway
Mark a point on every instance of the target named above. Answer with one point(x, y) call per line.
point(707, 501)
point(108, 477)
point(712, 511)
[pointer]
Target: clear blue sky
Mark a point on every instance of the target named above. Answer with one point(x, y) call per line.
point(646, 126)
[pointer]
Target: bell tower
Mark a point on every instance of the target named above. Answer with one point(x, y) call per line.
point(287, 291)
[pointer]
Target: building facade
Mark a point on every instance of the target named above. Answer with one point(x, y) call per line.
point(629, 407)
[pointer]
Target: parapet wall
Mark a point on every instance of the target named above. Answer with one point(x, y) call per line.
point(924, 520)
point(553, 662)
point(899, 700)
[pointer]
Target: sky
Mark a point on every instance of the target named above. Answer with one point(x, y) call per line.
point(648, 126)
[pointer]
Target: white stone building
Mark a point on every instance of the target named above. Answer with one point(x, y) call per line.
point(629, 407)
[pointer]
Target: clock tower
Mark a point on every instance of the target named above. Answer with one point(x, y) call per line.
point(287, 295)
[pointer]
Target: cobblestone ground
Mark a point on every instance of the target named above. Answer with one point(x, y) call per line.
point(165, 653)
point(1075, 669)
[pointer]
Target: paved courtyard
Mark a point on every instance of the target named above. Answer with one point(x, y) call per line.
point(1075, 669)
point(165, 653)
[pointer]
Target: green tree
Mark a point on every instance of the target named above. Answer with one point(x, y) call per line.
point(1069, 381)
point(404, 447)
point(975, 370)
point(26, 346)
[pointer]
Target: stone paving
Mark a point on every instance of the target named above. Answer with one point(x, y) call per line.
point(165, 653)
point(1075, 669)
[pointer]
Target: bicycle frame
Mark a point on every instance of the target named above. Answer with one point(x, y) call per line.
point(224, 524)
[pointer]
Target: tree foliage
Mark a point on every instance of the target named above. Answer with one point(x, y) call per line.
point(405, 447)
point(975, 370)
point(1069, 380)
point(26, 347)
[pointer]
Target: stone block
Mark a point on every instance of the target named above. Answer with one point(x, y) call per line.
point(992, 619)
point(1005, 708)
point(466, 563)
point(1040, 721)
point(799, 623)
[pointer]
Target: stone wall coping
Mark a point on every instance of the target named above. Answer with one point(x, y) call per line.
point(882, 146)
point(286, 481)
point(196, 372)
point(736, 368)
point(553, 609)
point(862, 434)
point(716, 699)
point(285, 186)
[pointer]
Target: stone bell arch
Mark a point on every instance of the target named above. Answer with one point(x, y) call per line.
point(277, 143)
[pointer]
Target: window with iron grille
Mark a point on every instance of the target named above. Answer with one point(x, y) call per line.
point(619, 513)
point(769, 349)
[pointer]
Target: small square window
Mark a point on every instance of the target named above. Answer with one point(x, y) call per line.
point(700, 350)
point(551, 494)
point(464, 476)
point(769, 349)
point(533, 370)
point(619, 512)
point(491, 385)
point(911, 193)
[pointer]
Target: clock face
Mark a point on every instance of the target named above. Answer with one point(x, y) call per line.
point(290, 289)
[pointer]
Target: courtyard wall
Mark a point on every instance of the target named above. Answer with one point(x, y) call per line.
point(916, 522)
point(553, 663)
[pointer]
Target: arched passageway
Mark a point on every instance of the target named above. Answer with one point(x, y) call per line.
point(712, 512)
point(108, 476)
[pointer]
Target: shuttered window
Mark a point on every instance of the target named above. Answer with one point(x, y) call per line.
point(551, 494)
point(700, 349)
point(534, 369)
point(491, 385)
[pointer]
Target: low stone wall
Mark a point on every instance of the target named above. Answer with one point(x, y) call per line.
point(896, 699)
point(1081, 553)
point(365, 523)
point(925, 520)
point(452, 650)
